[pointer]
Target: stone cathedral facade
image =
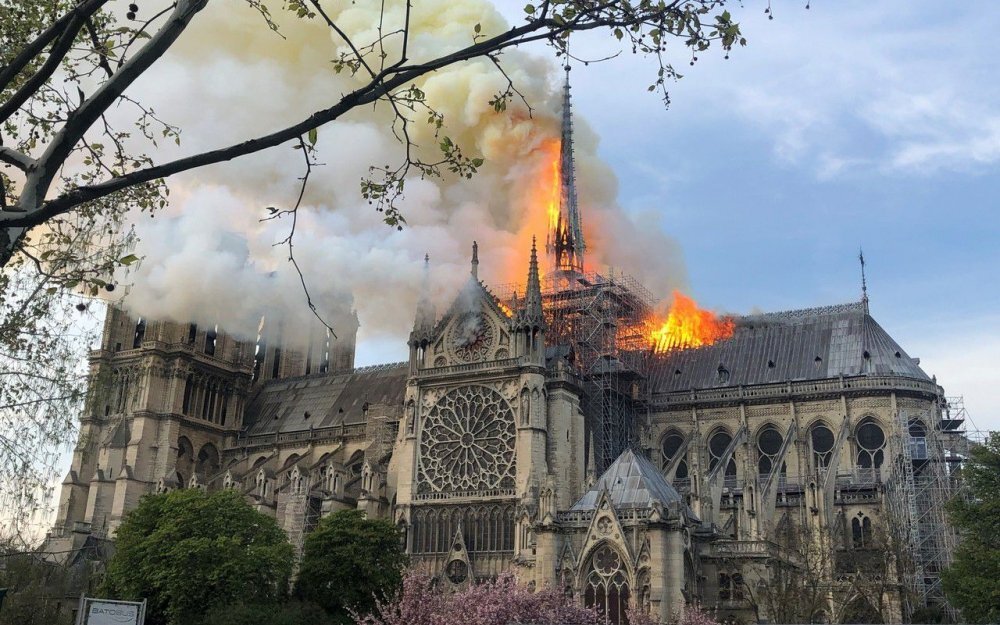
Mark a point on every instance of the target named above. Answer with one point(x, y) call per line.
point(531, 434)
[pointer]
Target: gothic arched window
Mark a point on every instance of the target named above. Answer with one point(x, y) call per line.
point(918, 440)
point(768, 447)
point(606, 587)
point(871, 441)
point(670, 446)
point(718, 443)
point(821, 438)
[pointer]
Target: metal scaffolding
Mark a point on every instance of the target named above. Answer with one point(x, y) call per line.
point(601, 325)
point(923, 477)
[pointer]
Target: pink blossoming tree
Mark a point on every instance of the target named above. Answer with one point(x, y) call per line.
point(498, 602)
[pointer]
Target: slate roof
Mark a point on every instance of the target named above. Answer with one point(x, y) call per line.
point(808, 344)
point(632, 481)
point(330, 400)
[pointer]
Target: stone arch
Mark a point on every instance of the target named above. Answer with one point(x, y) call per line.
point(208, 463)
point(185, 464)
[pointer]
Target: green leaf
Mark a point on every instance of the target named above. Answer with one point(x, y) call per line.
point(128, 260)
point(478, 28)
point(529, 8)
point(313, 135)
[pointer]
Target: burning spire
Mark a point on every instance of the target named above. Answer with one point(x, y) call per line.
point(565, 240)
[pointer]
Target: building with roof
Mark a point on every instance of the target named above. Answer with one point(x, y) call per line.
point(794, 471)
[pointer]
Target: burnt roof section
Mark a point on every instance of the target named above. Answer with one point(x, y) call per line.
point(807, 344)
point(296, 404)
point(632, 481)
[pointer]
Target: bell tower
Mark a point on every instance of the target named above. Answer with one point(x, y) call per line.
point(165, 400)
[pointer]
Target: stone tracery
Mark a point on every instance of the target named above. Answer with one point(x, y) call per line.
point(467, 442)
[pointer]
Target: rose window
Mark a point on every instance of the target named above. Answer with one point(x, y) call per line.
point(472, 337)
point(606, 560)
point(467, 442)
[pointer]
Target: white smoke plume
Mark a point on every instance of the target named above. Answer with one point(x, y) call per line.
point(208, 258)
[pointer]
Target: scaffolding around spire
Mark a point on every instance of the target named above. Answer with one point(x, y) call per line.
point(566, 244)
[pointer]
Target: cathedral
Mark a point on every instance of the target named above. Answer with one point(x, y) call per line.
point(542, 432)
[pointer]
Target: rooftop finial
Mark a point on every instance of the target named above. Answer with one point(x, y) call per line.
point(864, 280)
point(475, 260)
point(566, 244)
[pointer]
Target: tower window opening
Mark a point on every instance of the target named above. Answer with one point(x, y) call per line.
point(210, 340)
point(260, 353)
point(861, 532)
point(276, 365)
point(140, 333)
point(188, 389)
point(192, 333)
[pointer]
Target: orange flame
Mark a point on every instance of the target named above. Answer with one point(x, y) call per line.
point(689, 326)
point(552, 190)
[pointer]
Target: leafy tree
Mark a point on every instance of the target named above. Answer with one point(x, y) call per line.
point(38, 592)
point(188, 551)
point(501, 601)
point(348, 561)
point(285, 613)
point(972, 582)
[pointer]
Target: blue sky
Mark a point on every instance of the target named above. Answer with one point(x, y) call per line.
point(851, 124)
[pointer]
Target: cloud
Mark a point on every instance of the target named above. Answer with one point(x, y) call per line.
point(964, 359)
point(895, 87)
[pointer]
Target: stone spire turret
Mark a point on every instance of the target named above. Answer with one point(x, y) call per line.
point(531, 312)
point(423, 321)
point(475, 260)
point(566, 243)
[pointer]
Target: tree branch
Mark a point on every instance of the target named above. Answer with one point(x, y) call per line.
point(15, 158)
point(84, 117)
point(59, 49)
point(33, 49)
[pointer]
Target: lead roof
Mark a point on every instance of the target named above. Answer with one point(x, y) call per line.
point(296, 404)
point(807, 344)
point(632, 481)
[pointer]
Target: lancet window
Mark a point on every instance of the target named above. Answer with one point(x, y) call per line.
point(822, 441)
point(768, 447)
point(717, 445)
point(606, 586)
point(870, 442)
point(487, 528)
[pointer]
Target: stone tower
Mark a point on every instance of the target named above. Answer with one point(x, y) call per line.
point(165, 399)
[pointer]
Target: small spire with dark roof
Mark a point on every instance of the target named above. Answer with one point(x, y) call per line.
point(533, 291)
point(475, 260)
point(424, 320)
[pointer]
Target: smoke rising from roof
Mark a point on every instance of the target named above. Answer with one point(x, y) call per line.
point(208, 258)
